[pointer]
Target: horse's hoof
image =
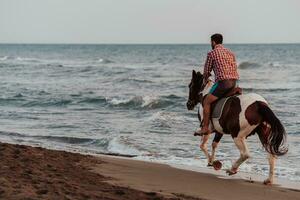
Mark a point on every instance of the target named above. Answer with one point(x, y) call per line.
point(217, 165)
point(268, 182)
point(231, 172)
point(209, 164)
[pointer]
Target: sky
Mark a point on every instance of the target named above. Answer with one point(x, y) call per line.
point(149, 21)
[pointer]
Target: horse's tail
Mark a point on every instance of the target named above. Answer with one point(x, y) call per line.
point(276, 141)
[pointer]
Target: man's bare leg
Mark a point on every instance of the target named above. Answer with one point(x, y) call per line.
point(206, 114)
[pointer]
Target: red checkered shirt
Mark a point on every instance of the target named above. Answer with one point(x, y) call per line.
point(222, 62)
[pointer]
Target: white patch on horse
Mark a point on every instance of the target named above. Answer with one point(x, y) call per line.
point(246, 100)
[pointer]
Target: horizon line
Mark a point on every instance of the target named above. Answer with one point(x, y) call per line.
point(234, 43)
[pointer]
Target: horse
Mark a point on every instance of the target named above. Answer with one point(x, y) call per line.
point(242, 115)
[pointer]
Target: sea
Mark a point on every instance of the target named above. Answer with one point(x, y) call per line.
point(131, 100)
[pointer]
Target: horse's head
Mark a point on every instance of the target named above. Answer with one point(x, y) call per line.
point(196, 86)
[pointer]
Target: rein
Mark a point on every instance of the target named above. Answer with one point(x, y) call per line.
point(199, 116)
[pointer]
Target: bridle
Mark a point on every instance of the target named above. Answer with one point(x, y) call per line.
point(199, 99)
point(199, 95)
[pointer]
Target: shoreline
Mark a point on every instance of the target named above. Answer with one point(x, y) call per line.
point(191, 183)
point(38, 173)
point(243, 175)
point(221, 174)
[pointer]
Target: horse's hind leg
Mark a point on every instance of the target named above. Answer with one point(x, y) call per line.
point(203, 147)
point(263, 130)
point(240, 142)
point(272, 159)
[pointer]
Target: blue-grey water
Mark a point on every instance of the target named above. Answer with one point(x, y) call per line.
point(130, 99)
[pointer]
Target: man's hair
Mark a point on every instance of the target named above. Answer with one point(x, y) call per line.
point(217, 38)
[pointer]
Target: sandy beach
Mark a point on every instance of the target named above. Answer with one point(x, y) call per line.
point(37, 173)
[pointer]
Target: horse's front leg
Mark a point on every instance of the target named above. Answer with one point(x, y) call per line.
point(272, 159)
point(203, 147)
point(240, 142)
point(214, 146)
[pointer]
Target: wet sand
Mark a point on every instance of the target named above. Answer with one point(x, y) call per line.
point(37, 173)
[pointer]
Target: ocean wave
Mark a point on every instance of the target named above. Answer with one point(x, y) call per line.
point(28, 59)
point(19, 95)
point(166, 116)
point(148, 102)
point(69, 140)
point(122, 102)
point(87, 69)
point(265, 89)
point(137, 80)
point(151, 101)
point(43, 99)
point(54, 65)
point(54, 102)
point(93, 100)
point(11, 100)
point(120, 147)
point(61, 139)
point(13, 134)
point(102, 145)
point(163, 119)
point(45, 102)
point(249, 65)
point(7, 58)
point(175, 97)
point(105, 61)
point(43, 92)
point(3, 58)
point(18, 58)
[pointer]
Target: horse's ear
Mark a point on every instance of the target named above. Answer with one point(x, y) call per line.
point(194, 74)
point(199, 74)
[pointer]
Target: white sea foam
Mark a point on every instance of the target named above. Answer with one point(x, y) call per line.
point(105, 61)
point(116, 101)
point(28, 59)
point(117, 146)
point(165, 116)
point(142, 101)
point(12, 58)
point(149, 100)
point(3, 58)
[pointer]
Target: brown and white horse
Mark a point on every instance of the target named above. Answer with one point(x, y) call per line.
point(242, 116)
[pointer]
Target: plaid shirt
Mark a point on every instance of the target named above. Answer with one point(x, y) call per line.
point(222, 62)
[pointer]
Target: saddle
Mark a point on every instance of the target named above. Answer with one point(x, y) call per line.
point(234, 91)
point(217, 106)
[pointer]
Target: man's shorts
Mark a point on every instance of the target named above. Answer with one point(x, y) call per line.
point(220, 88)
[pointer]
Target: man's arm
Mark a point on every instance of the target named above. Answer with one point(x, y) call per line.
point(207, 67)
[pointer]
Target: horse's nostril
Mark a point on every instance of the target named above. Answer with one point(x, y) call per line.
point(189, 105)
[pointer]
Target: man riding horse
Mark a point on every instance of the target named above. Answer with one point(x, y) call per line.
point(240, 115)
point(222, 61)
